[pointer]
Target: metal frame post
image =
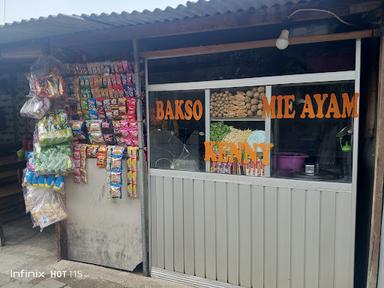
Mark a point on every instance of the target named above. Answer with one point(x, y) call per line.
point(141, 167)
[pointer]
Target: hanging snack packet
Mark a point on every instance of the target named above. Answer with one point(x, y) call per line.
point(92, 151)
point(77, 164)
point(102, 156)
point(94, 131)
point(58, 184)
point(131, 171)
point(115, 175)
point(83, 164)
point(107, 130)
point(78, 130)
point(53, 160)
point(54, 129)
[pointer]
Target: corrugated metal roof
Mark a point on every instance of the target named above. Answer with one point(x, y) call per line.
point(66, 24)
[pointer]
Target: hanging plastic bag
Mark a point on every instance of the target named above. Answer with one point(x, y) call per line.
point(48, 207)
point(53, 160)
point(46, 78)
point(35, 108)
point(54, 129)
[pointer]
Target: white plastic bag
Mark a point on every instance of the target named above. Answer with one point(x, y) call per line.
point(35, 108)
point(48, 207)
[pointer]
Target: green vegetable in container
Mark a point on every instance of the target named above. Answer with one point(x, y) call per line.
point(218, 131)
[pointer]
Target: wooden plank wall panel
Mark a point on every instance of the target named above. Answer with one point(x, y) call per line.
point(258, 236)
point(199, 225)
point(312, 236)
point(210, 229)
point(233, 233)
point(342, 240)
point(284, 238)
point(252, 236)
point(178, 220)
point(245, 203)
point(298, 238)
point(327, 239)
point(160, 221)
point(168, 224)
point(221, 231)
point(189, 229)
point(153, 212)
point(270, 218)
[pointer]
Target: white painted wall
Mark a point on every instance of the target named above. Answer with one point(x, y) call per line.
point(102, 231)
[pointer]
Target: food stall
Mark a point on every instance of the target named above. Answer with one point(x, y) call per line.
point(84, 163)
point(252, 151)
point(253, 165)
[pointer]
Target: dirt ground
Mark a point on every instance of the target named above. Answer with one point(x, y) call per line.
point(28, 260)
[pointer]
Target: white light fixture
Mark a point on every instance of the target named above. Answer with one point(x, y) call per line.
point(282, 42)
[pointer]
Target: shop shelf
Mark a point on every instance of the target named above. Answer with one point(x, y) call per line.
point(237, 119)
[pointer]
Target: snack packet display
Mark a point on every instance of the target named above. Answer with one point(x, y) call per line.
point(126, 132)
point(35, 108)
point(115, 170)
point(80, 163)
point(54, 129)
point(132, 156)
point(46, 208)
point(76, 164)
point(83, 164)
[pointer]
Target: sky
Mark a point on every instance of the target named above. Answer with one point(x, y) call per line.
point(16, 10)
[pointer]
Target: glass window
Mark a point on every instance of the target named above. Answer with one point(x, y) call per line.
point(317, 142)
point(296, 59)
point(285, 131)
point(237, 136)
point(177, 130)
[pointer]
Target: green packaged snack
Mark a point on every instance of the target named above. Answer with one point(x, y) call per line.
point(53, 160)
point(54, 129)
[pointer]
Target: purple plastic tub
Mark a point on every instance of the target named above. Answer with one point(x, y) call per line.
point(291, 161)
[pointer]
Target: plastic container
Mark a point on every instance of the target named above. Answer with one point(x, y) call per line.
point(291, 161)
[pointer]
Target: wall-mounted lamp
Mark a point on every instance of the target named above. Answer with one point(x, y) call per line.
point(282, 42)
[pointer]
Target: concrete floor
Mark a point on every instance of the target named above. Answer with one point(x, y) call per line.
point(28, 249)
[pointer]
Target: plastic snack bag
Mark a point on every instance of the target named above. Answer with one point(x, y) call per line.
point(114, 182)
point(92, 151)
point(53, 160)
point(54, 129)
point(94, 132)
point(83, 164)
point(78, 130)
point(35, 108)
point(102, 156)
point(76, 164)
point(131, 171)
point(48, 208)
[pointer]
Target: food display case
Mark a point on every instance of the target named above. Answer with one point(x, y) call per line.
point(257, 163)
